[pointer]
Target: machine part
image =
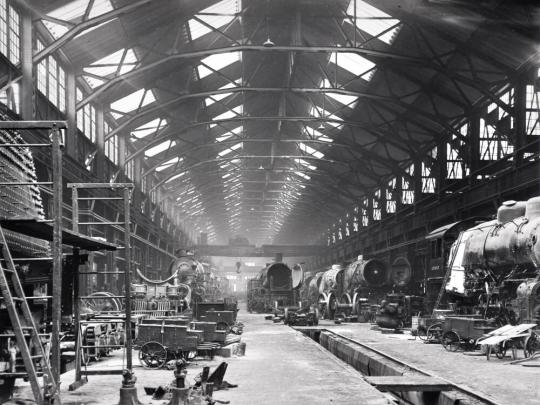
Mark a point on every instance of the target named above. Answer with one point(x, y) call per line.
point(297, 274)
point(400, 271)
point(152, 355)
point(223, 326)
point(451, 341)
point(102, 301)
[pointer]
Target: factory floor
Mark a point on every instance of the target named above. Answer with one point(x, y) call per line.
point(497, 379)
point(280, 366)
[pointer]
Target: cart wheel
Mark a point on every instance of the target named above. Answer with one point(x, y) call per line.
point(532, 344)
point(434, 332)
point(500, 350)
point(223, 326)
point(421, 332)
point(450, 341)
point(152, 355)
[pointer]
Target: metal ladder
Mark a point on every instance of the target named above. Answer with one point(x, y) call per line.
point(447, 274)
point(21, 321)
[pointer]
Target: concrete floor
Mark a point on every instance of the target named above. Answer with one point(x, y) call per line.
point(281, 366)
point(507, 384)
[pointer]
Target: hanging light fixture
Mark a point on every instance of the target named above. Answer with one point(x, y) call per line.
point(268, 43)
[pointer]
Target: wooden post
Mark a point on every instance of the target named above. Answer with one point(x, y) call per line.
point(56, 252)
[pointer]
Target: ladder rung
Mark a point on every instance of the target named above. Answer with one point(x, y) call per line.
point(37, 356)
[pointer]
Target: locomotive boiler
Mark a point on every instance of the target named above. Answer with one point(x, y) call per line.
point(276, 286)
point(494, 265)
point(353, 289)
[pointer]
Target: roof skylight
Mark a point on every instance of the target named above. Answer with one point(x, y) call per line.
point(324, 114)
point(149, 128)
point(308, 149)
point(159, 148)
point(216, 16)
point(235, 112)
point(133, 101)
point(354, 63)
point(305, 164)
point(345, 99)
point(208, 101)
point(373, 21)
point(120, 62)
point(176, 176)
point(168, 164)
point(313, 133)
point(231, 149)
point(72, 12)
point(217, 61)
point(229, 134)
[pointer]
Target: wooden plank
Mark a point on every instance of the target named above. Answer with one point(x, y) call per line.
point(408, 383)
point(101, 372)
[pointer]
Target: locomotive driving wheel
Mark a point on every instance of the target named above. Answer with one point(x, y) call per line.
point(152, 355)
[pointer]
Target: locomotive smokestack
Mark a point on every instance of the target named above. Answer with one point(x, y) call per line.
point(278, 258)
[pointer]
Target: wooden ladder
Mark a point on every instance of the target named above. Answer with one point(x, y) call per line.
point(447, 274)
point(21, 322)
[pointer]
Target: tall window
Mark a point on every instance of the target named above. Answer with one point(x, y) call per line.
point(365, 213)
point(356, 224)
point(10, 32)
point(111, 145)
point(376, 201)
point(428, 179)
point(407, 185)
point(390, 196)
point(456, 168)
point(495, 127)
point(533, 111)
point(51, 79)
point(129, 169)
point(86, 118)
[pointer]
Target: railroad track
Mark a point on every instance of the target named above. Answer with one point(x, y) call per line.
point(478, 398)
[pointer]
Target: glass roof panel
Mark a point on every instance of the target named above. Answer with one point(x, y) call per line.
point(153, 151)
point(73, 11)
point(110, 64)
point(208, 101)
point(373, 21)
point(305, 163)
point(176, 176)
point(354, 63)
point(217, 62)
point(317, 134)
point(235, 112)
point(231, 149)
point(229, 134)
point(168, 164)
point(216, 16)
point(149, 128)
point(308, 149)
point(133, 101)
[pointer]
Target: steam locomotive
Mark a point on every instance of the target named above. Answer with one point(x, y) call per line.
point(277, 286)
point(190, 282)
point(355, 289)
point(494, 265)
